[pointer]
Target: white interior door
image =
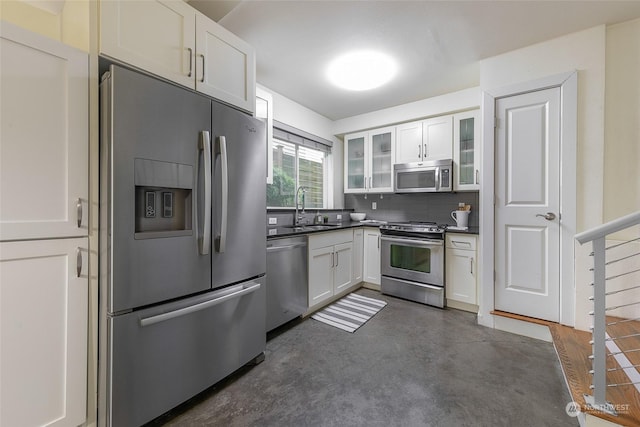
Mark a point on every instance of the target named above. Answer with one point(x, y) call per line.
point(527, 204)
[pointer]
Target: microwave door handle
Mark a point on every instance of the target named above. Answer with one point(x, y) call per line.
point(437, 179)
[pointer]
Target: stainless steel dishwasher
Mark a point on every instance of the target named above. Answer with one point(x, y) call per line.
point(287, 279)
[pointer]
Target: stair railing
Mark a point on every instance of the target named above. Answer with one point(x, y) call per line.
point(616, 301)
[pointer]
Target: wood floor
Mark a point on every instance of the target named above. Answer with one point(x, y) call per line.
point(573, 350)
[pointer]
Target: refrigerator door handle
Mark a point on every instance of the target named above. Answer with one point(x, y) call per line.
point(218, 298)
point(205, 145)
point(221, 239)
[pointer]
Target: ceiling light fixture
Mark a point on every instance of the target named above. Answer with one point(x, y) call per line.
point(361, 70)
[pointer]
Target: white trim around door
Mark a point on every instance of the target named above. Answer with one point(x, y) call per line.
point(568, 84)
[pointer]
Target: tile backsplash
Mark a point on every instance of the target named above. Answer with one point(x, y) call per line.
point(435, 207)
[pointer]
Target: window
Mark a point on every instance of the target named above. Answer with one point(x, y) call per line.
point(296, 165)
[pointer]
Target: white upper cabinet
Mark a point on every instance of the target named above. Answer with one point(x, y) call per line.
point(437, 138)
point(228, 69)
point(409, 144)
point(171, 39)
point(430, 139)
point(369, 158)
point(44, 102)
point(466, 151)
point(156, 36)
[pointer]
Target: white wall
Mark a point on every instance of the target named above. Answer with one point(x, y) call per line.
point(290, 112)
point(466, 99)
point(583, 51)
point(65, 21)
point(622, 122)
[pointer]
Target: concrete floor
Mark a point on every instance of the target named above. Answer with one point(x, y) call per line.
point(410, 365)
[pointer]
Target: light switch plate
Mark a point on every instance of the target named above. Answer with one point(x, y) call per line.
point(273, 221)
point(338, 217)
point(374, 205)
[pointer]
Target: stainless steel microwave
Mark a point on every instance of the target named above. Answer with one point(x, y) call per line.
point(423, 177)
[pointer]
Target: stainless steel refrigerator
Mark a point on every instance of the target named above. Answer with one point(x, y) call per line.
point(183, 250)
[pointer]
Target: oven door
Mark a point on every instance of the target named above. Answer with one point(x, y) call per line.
point(414, 259)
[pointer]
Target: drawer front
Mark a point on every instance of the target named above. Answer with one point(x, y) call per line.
point(330, 238)
point(159, 361)
point(461, 241)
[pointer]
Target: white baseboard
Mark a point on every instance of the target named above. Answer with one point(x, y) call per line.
point(520, 327)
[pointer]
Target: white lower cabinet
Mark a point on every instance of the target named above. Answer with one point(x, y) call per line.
point(461, 271)
point(330, 264)
point(358, 255)
point(371, 270)
point(320, 274)
point(43, 341)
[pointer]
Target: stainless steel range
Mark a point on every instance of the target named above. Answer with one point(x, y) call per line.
point(412, 261)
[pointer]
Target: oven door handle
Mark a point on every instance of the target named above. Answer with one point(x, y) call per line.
point(413, 242)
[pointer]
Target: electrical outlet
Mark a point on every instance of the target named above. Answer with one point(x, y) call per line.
point(374, 205)
point(273, 221)
point(338, 217)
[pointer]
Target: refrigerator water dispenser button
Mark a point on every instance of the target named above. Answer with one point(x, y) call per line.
point(167, 204)
point(150, 204)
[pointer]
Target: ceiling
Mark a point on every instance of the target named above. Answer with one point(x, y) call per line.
point(437, 44)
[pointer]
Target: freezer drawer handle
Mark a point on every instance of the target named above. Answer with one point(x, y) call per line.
point(204, 144)
point(221, 239)
point(215, 300)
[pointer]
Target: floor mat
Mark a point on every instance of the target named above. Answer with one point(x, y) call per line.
point(350, 312)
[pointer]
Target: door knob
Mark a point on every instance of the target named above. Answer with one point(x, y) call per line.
point(549, 216)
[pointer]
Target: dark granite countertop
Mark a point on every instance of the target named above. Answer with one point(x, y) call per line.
point(288, 231)
point(470, 230)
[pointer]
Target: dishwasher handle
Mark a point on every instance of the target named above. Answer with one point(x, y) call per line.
point(285, 247)
point(215, 300)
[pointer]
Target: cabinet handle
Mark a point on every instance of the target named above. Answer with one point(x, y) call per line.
point(378, 242)
point(332, 259)
point(425, 151)
point(190, 61)
point(337, 258)
point(78, 262)
point(419, 151)
point(203, 68)
point(471, 264)
point(79, 212)
point(477, 180)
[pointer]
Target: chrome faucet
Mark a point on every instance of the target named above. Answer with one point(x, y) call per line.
point(299, 216)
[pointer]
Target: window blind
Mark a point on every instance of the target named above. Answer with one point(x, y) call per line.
point(284, 132)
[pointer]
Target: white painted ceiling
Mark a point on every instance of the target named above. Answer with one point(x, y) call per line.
point(437, 44)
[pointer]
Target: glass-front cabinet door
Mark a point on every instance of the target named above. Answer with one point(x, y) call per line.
point(466, 150)
point(355, 169)
point(368, 161)
point(382, 143)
